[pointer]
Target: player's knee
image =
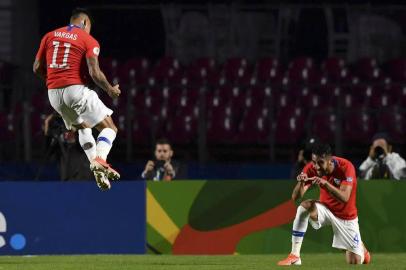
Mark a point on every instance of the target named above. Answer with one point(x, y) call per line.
point(82, 125)
point(301, 212)
point(308, 204)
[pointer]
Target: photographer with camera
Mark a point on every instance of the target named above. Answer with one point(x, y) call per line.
point(382, 163)
point(163, 168)
point(63, 147)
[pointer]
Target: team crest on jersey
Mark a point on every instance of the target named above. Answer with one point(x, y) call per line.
point(349, 179)
point(96, 50)
point(337, 181)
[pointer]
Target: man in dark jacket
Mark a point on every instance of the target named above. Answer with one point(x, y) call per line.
point(163, 168)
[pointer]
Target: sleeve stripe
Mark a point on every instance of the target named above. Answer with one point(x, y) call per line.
point(346, 183)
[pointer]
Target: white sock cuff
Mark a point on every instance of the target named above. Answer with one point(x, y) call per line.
point(107, 135)
point(300, 224)
point(85, 131)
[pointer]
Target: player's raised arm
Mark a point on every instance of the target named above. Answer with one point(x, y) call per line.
point(100, 79)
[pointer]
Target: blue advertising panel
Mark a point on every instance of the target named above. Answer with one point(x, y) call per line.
point(71, 218)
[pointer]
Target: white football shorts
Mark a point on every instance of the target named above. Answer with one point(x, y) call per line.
point(346, 232)
point(77, 104)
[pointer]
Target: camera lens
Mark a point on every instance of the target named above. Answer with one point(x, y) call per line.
point(379, 153)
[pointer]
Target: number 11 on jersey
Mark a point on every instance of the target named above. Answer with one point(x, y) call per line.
point(55, 53)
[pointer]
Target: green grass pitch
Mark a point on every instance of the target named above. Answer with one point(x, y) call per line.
point(328, 261)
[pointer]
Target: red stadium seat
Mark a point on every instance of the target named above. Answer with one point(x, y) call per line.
point(275, 76)
point(173, 95)
point(168, 62)
point(393, 121)
point(397, 69)
point(312, 101)
point(216, 79)
point(365, 91)
point(301, 63)
point(264, 93)
point(381, 101)
point(240, 99)
point(141, 130)
point(284, 100)
point(204, 62)
point(110, 67)
point(215, 101)
point(359, 126)
point(138, 101)
point(235, 68)
point(324, 124)
point(182, 129)
point(333, 68)
point(202, 71)
point(304, 76)
point(254, 127)
point(265, 64)
point(135, 71)
point(166, 66)
point(397, 93)
point(137, 64)
point(289, 128)
point(153, 102)
point(221, 127)
point(176, 77)
point(367, 70)
point(144, 128)
point(351, 101)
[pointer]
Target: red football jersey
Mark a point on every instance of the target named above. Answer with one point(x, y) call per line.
point(343, 174)
point(63, 51)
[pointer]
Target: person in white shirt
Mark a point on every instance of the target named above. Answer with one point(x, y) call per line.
point(382, 163)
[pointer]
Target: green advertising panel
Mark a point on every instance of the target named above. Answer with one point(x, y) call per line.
point(255, 217)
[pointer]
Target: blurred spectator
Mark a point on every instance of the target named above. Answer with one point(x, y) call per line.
point(162, 168)
point(382, 163)
point(62, 146)
point(304, 156)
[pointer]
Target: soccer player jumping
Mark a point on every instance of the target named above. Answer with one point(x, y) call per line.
point(61, 61)
point(336, 206)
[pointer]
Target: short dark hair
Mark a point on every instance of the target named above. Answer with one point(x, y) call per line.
point(322, 150)
point(77, 11)
point(381, 135)
point(163, 141)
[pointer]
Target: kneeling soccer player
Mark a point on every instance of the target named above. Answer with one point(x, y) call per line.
point(336, 206)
